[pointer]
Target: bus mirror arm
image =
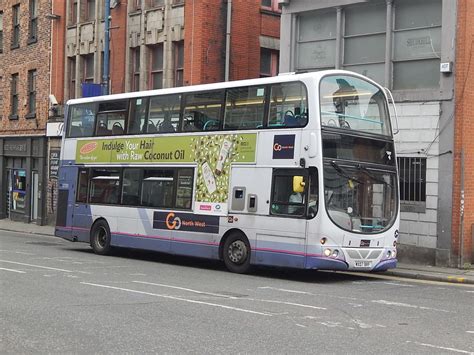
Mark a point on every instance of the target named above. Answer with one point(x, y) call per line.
point(389, 94)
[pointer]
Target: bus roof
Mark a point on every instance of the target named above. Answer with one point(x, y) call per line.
point(283, 77)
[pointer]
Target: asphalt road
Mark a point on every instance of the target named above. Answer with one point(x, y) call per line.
point(58, 297)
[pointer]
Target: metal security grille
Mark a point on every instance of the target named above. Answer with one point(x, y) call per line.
point(412, 179)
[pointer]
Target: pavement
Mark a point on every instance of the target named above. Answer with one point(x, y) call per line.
point(404, 270)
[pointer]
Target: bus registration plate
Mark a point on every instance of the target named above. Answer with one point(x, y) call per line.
point(362, 263)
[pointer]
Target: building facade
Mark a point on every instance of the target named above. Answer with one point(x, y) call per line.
point(420, 50)
point(26, 190)
point(165, 43)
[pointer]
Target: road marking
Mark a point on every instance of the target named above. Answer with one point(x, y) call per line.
point(38, 266)
point(179, 299)
point(470, 331)
point(399, 304)
point(284, 290)
point(16, 252)
point(12, 270)
point(441, 347)
point(397, 284)
point(287, 303)
point(230, 297)
point(185, 289)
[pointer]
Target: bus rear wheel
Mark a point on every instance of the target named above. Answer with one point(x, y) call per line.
point(100, 238)
point(236, 253)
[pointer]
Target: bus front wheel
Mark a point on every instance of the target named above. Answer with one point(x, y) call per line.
point(236, 253)
point(100, 238)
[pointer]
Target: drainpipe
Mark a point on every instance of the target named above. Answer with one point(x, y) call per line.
point(227, 40)
point(105, 78)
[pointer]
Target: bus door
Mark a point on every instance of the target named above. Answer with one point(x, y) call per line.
point(66, 202)
point(272, 215)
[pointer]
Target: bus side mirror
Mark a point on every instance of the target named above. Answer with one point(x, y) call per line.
point(298, 184)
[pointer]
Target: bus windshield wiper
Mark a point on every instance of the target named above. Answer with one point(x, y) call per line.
point(341, 172)
point(372, 176)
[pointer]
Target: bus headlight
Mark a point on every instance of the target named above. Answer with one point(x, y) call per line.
point(335, 253)
point(389, 254)
point(323, 240)
point(327, 252)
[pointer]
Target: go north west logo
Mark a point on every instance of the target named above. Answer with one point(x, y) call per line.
point(185, 222)
point(284, 146)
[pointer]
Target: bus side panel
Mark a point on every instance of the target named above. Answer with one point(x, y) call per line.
point(66, 200)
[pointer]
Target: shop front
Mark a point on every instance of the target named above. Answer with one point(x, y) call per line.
point(23, 168)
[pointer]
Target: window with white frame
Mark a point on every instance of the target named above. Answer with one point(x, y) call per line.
point(412, 172)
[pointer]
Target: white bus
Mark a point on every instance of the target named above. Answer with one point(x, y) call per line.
point(295, 171)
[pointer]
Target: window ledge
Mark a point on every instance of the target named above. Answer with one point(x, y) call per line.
point(32, 40)
point(414, 207)
point(268, 11)
point(31, 115)
point(14, 46)
point(13, 117)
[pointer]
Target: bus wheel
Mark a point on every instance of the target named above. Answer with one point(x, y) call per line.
point(236, 253)
point(100, 238)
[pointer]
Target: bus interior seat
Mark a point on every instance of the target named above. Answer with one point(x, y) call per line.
point(151, 128)
point(102, 130)
point(117, 129)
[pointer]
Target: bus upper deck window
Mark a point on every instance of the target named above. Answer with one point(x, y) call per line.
point(288, 105)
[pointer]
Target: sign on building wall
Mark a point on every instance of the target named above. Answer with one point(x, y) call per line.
point(53, 163)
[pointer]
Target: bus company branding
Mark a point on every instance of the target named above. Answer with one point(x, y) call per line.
point(185, 222)
point(284, 146)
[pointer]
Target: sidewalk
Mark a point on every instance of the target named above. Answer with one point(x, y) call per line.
point(411, 271)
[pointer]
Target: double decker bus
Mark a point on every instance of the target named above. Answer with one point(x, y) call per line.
point(294, 171)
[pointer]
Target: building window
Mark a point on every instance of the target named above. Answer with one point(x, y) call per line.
point(155, 3)
point(136, 5)
point(88, 68)
point(72, 77)
point(136, 69)
point(412, 172)
point(14, 96)
point(178, 63)
point(417, 44)
point(33, 23)
point(1, 31)
point(1, 97)
point(16, 26)
point(156, 67)
point(31, 93)
point(271, 5)
point(90, 10)
point(316, 42)
point(73, 12)
point(268, 62)
point(364, 40)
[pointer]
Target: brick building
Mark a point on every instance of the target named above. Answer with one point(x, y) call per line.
point(153, 44)
point(25, 57)
point(421, 50)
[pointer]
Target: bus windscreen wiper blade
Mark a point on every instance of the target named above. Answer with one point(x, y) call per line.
point(341, 172)
point(372, 176)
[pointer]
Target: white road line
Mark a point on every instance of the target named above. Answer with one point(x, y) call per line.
point(16, 252)
point(12, 270)
point(287, 303)
point(470, 331)
point(186, 289)
point(38, 266)
point(284, 290)
point(229, 297)
point(441, 347)
point(399, 304)
point(179, 299)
